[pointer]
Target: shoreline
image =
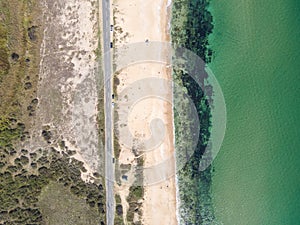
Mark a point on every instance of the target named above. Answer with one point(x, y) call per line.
point(177, 196)
point(188, 22)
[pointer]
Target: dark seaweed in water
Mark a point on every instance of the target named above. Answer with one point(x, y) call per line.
point(194, 186)
point(198, 29)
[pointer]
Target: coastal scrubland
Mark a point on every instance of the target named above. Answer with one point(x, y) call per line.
point(27, 175)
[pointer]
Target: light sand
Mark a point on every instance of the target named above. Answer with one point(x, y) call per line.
point(142, 20)
point(67, 89)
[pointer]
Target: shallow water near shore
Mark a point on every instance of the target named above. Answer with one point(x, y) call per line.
point(256, 61)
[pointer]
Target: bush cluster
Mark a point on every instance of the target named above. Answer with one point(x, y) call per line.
point(23, 175)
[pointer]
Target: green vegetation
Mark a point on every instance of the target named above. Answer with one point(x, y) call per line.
point(4, 64)
point(116, 82)
point(117, 147)
point(100, 81)
point(10, 130)
point(119, 211)
point(63, 208)
point(19, 58)
point(136, 194)
point(191, 26)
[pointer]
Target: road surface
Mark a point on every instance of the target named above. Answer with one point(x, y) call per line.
point(107, 71)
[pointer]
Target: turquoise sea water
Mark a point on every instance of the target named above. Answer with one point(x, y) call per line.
point(256, 176)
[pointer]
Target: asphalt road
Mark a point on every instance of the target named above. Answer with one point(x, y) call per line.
point(107, 66)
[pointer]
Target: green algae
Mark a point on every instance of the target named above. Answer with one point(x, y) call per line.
point(191, 26)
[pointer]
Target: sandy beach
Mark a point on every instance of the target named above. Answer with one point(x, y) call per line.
point(147, 21)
